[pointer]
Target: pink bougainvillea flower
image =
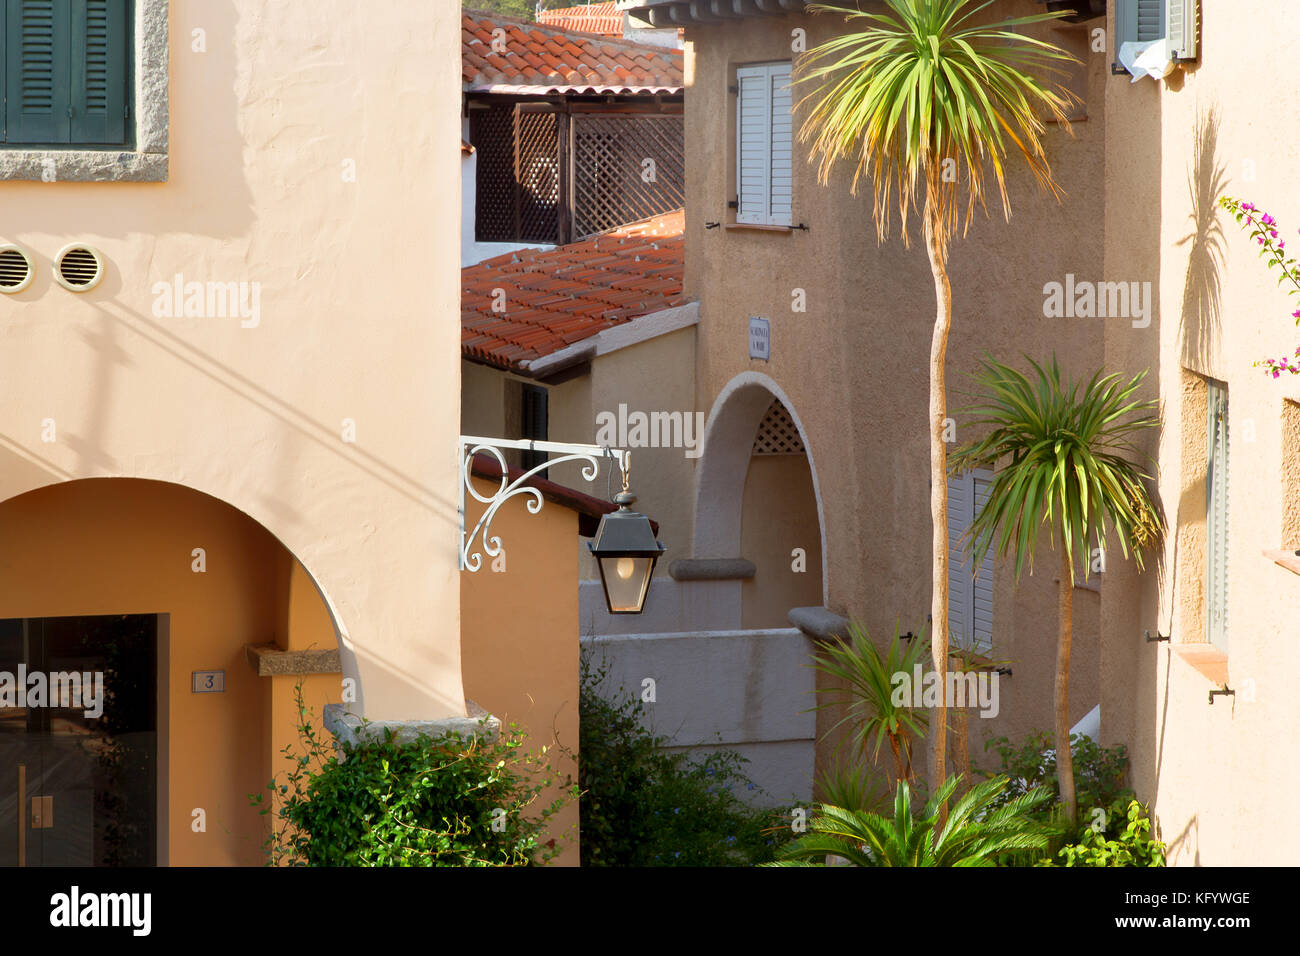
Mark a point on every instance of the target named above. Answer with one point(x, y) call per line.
point(1267, 220)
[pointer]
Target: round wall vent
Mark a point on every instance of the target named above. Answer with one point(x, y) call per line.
point(16, 269)
point(79, 268)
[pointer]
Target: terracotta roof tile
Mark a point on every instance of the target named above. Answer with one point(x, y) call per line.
point(599, 18)
point(563, 295)
point(540, 55)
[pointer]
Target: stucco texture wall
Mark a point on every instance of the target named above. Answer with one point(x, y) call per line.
point(112, 546)
point(1216, 773)
point(520, 649)
point(854, 365)
point(314, 150)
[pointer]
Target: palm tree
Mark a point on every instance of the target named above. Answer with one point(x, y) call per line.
point(976, 833)
point(1067, 467)
point(922, 93)
point(868, 698)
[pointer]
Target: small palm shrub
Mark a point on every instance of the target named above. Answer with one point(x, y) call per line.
point(868, 700)
point(977, 832)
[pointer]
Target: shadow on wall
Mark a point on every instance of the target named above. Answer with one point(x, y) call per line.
point(1207, 179)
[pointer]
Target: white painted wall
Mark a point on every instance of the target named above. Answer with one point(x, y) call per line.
point(749, 691)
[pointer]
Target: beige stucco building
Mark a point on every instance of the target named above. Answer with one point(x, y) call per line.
point(232, 328)
point(1213, 767)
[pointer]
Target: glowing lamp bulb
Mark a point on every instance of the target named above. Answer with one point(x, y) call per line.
point(625, 568)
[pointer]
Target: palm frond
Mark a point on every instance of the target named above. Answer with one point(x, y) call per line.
point(922, 83)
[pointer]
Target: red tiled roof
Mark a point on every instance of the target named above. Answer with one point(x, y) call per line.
point(599, 18)
point(556, 297)
point(539, 58)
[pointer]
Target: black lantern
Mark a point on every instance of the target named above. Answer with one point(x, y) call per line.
point(626, 551)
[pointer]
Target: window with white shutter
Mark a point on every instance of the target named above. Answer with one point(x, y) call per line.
point(1216, 516)
point(764, 145)
point(970, 595)
point(1144, 21)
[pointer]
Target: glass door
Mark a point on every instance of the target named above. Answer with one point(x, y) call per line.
point(78, 741)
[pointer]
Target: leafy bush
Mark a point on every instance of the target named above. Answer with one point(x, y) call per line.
point(643, 805)
point(1135, 845)
point(1112, 829)
point(1100, 773)
point(432, 802)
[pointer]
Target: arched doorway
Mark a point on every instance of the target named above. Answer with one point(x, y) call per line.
point(757, 498)
point(152, 594)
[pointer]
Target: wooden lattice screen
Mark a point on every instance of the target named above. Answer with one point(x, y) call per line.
point(492, 131)
point(518, 179)
point(612, 182)
point(537, 175)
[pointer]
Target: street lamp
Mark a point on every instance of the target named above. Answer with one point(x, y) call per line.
point(625, 550)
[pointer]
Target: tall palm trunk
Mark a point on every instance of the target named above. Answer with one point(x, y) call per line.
point(938, 484)
point(1064, 758)
point(961, 750)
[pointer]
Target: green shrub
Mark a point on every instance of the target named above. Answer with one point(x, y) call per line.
point(1100, 773)
point(1112, 829)
point(643, 805)
point(1133, 846)
point(447, 801)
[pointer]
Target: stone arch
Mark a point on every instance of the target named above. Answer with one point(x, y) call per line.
point(724, 466)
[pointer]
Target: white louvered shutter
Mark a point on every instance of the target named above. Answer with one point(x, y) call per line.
point(1216, 517)
point(1150, 20)
point(982, 598)
point(764, 145)
point(970, 599)
point(753, 119)
point(781, 179)
point(959, 582)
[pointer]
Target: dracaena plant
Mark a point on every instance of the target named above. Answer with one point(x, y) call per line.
point(925, 98)
point(866, 695)
point(1272, 249)
point(1064, 452)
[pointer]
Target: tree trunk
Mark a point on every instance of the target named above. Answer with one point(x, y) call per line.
point(939, 505)
point(1064, 757)
point(961, 749)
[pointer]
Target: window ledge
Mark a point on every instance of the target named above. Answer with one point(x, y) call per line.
point(1208, 660)
point(1286, 559)
point(83, 166)
point(757, 227)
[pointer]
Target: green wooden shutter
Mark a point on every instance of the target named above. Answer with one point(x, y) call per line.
point(37, 87)
point(1216, 517)
point(100, 40)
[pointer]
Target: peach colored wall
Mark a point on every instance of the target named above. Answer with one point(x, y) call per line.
point(520, 648)
point(779, 515)
point(854, 365)
point(358, 316)
point(1216, 774)
point(111, 546)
